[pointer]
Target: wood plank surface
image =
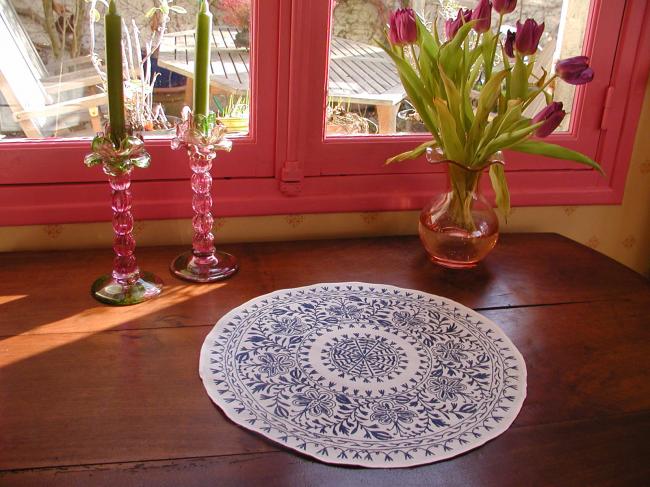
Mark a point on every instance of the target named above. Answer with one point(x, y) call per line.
point(565, 454)
point(74, 398)
point(523, 270)
point(94, 395)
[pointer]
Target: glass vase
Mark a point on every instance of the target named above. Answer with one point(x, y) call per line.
point(459, 227)
point(126, 284)
point(203, 263)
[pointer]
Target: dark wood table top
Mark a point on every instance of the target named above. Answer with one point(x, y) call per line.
point(94, 395)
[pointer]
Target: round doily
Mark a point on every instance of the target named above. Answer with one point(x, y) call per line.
point(364, 374)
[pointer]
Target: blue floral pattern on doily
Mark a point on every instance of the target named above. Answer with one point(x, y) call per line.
point(364, 374)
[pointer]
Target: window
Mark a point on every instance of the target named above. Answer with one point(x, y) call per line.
point(596, 125)
point(324, 112)
point(37, 167)
point(52, 78)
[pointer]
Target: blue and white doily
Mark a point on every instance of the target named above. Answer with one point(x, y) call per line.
point(364, 374)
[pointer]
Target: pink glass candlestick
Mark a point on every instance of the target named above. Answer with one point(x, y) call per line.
point(203, 263)
point(126, 284)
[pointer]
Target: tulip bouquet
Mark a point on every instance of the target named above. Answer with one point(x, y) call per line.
point(473, 108)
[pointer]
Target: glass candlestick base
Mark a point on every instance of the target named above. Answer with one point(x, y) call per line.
point(209, 268)
point(109, 290)
point(202, 139)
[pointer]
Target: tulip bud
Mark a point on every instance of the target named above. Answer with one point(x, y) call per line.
point(528, 35)
point(509, 45)
point(575, 70)
point(482, 13)
point(504, 6)
point(452, 25)
point(403, 28)
point(551, 116)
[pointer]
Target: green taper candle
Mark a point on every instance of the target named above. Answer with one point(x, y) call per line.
point(113, 34)
point(202, 60)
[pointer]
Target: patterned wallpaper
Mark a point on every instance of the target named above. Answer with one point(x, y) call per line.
point(621, 231)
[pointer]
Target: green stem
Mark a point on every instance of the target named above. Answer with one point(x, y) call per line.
point(537, 93)
point(463, 185)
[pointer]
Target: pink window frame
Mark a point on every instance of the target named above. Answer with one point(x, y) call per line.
point(288, 166)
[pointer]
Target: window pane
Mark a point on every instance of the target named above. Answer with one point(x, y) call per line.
point(49, 86)
point(365, 95)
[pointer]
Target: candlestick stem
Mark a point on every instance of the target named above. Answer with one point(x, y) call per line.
point(203, 263)
point(126, 284)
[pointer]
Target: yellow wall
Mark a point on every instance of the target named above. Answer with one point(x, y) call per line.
point(622, 231)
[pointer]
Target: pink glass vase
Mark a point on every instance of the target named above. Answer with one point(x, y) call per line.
point(126, 285)
point(203, 263)
point(459, 227)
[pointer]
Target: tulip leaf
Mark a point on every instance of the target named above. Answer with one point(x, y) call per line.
point(467, 98)
point(488, 97)
point(418, 102)
point(453, 102)
point(449, 58)
point(500, 186)
point(512, 115)
point(488, 48)
point(436, 34)
point(426, 40)
point(519, 80)
point(425, 70)
point(506, 65)
point(451, 144)
point(429, 70)
point(491, 130)
point(504, 123)
point(490, 94)
point(474, 55)
point(503, 141)
point(555, 151)
point(420, 150)
point(413, 86)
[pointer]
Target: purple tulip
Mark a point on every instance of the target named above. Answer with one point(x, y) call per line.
point(403, 28)
point(509, 45)
point(551, 116)
point(482, 13)
point(575, 70)
point(528, 35)
point(504, 6)
point(452, 25)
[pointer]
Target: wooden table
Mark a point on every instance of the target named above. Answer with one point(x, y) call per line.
point(359, 73)
point(92, 395)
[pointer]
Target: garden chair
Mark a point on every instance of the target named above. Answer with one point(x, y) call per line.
point(34, 95)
